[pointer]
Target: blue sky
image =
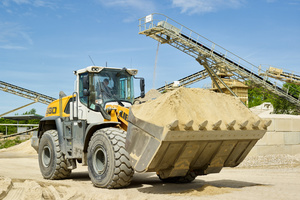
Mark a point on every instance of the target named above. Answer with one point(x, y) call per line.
point(43, 42)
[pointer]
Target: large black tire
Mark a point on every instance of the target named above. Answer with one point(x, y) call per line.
point(52, 163)
point(189, 177)
point(108, 161)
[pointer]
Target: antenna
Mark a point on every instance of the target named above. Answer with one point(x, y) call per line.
point(92, 60)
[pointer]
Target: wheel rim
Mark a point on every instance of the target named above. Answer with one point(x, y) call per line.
point(100, 160)
point(46, 156)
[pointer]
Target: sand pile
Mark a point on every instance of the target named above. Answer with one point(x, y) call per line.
point(24, 147)
point(196, 105)
point(30, 189)
point(205, 190)
point(5, 185)
point(150, 95)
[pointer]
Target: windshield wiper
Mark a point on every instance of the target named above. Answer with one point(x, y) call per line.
point(118, 100)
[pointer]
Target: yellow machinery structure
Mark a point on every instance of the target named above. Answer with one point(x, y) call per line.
point(282, 75)
point(96, 126)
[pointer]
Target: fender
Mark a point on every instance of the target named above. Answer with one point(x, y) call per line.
point(52, 122)
point(92, 128)
point(55, 122)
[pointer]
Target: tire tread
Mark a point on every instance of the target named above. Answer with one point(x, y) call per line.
point(123, 171)
point(61, 170)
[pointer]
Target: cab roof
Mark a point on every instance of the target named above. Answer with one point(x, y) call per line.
point(97, 69)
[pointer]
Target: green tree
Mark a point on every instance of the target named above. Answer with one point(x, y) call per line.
point(292, 89)
point(31, 112)
point(10, 129)
point(259, 95)
point(13, 129)
point(31, 121)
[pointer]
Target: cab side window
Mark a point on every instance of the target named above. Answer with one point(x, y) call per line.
point(67, 108)
point(83, 99)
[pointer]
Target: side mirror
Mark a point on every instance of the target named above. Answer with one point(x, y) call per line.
point(142, 86)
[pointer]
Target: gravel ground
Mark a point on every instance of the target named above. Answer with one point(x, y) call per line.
point(279, 160)
point(273, 177)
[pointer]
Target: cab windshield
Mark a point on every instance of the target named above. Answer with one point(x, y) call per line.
point(109, 86)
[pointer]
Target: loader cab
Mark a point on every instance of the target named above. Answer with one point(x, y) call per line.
point(101, 86)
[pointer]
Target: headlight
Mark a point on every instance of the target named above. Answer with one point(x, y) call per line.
point(132, 72)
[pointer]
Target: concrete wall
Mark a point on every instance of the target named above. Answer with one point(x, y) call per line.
point(282, 137)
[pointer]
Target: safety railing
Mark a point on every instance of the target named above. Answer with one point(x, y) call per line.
point(156, 19)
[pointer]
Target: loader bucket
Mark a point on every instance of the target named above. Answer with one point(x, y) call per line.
point(191, 129)
point(173, 153)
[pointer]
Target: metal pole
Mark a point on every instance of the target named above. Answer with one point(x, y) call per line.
point(17, 109)
point(225, 85)
point(60, 103)
point(205, 65)
point(155, 65)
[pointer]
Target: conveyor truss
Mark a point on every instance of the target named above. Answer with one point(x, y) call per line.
point(283, 75)
point(28, 94)
point(210, 55)
point(22, 92)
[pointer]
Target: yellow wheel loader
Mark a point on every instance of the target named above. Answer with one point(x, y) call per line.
point(99, 126)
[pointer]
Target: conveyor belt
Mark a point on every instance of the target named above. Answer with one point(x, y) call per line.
point(188, 80)
point(166, 30)
point(242, 68)
point(282, 75)
point(22, 92)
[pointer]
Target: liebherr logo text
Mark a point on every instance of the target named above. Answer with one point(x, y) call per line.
point(124, 115)
point(51, 110)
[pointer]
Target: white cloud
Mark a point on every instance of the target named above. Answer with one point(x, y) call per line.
point(131, 7)
point(135, 4)
point(118, 50)
point(12, 47)
point(205, 6)
point(26, 37)
point(14, 36)
point(21, 1)
point(35, 3)
point(8, 30)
